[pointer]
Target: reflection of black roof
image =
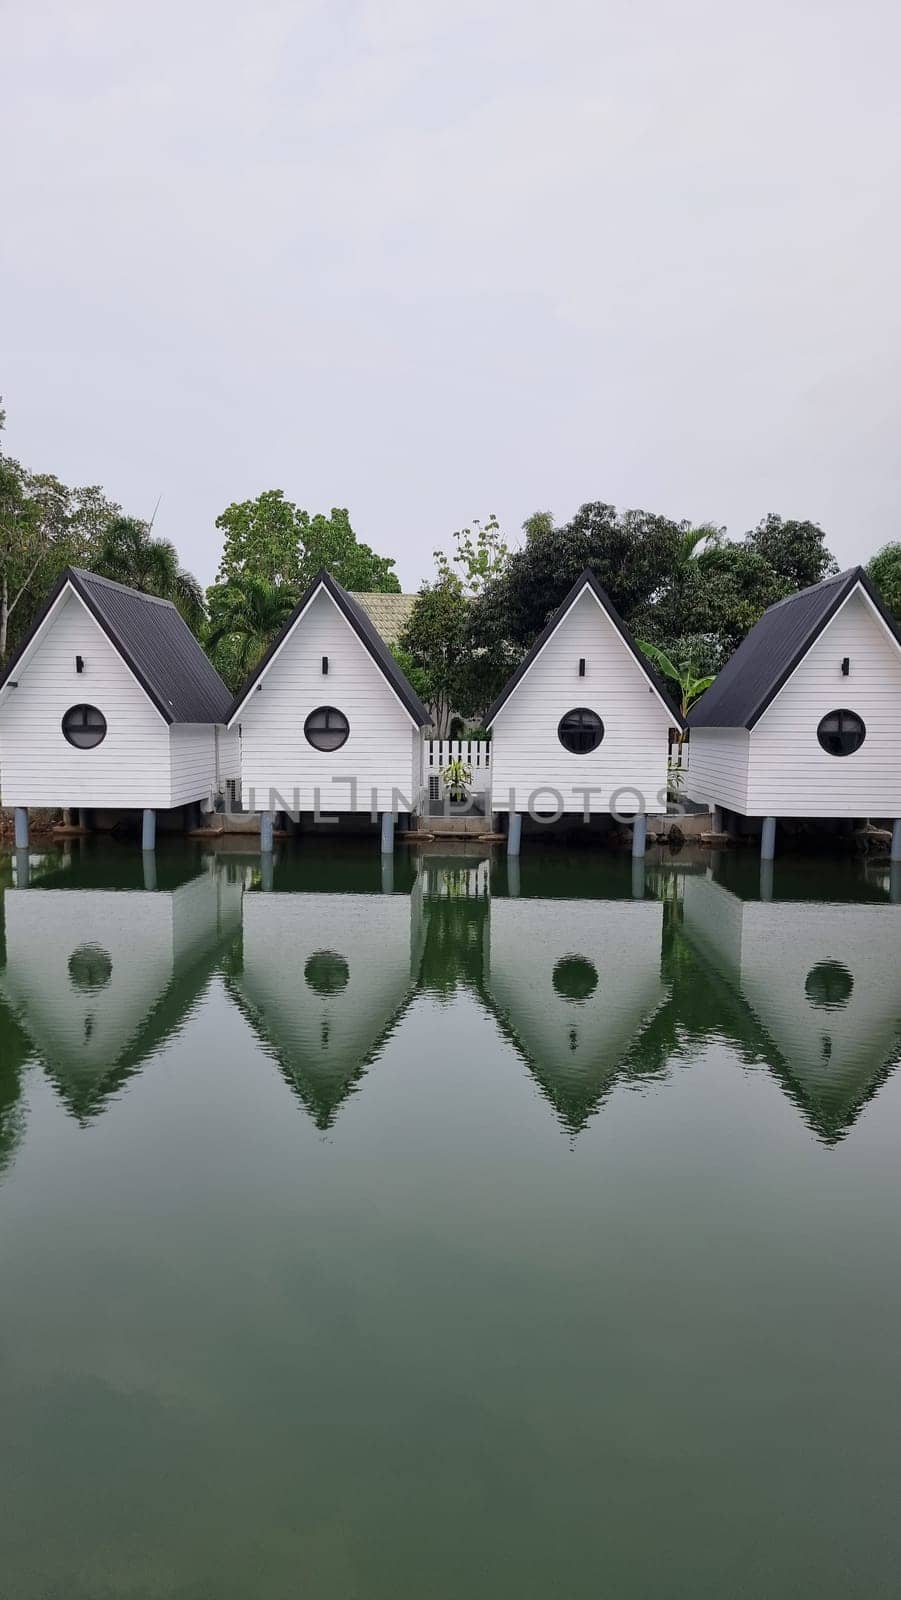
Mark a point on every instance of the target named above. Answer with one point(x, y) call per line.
point(587, 580)
point(153, 640)
point(776, 645)
point(366, 632)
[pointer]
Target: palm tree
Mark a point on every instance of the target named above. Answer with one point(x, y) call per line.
point(698, 543)
point(129, 553)
point(245, 615)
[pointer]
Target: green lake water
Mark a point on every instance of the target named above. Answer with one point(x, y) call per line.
point(439, 1229)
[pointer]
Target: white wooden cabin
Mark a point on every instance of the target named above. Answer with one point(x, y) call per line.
point(324, 980)
point(582, 727)
point(99, 978)
point(822, 981)
point(575, 983)
point(110, 703)
point(329, 724)
point(804, 719)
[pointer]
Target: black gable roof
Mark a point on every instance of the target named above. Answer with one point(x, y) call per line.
point(153, 640)
point(588, 580)
point(765, 660)
point(368, 635)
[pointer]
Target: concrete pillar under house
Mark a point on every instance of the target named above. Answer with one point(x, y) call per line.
point(514, 833)
point(148, 830)
point(768, 839)
point(21, 828)
point(639, 836)
point(387, 833)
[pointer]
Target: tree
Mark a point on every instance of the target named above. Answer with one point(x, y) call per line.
point(38, 538)
point(795, 551)
point(280, 543)
point(435, 641)
point(704, 611)
point(885, 571)
point(244, 617)
point(481, 555)
point(632, 553)
point(128, 553)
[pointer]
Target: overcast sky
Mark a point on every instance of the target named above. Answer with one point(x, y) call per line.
point(430, 259)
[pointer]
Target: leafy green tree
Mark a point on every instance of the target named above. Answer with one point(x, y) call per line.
point(43, 528)
point(128, 552)
point(481, 554)
point(245, 615)
point(796, 551)
point(702, 613)
point(885, 571)
point(271, 539)
point(434, 640)
point(631, 554)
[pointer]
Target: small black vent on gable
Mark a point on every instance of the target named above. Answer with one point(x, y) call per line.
point(581, 666)
point(79, 663)
point(325, 666)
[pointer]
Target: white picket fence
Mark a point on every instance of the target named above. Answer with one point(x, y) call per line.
point(475, 752)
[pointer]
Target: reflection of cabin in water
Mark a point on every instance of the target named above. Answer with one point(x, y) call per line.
point(324, 980)
point(822, 982)
point(575, 984)
point(98, 978)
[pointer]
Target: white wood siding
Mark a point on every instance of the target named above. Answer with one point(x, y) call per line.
point(717, 773)
point(526, 752)
point(770, 951)
point(790, 775)
point(193, 759)
point(275, 756)
point(578, 1046)
point(38, 767)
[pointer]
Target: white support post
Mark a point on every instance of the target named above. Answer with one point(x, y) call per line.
point(896, 840)
point(768, 839)
point(638, 877)
point(514, 833)
point(639, 836)
point(23, 869)
point(387, 833)
point(267, 871)
point(148, 830)
point(387, 873)
point(148, 858)
point(21, 828)
point(716, 819)
point(266, 831)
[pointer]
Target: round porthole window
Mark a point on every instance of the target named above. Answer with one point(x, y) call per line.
point(580, 731)
point(84, 726)
point(575, 978)
point(326, 728)
point(90, 968)
point(828, 985)
point(841, 733)
point(326, 972)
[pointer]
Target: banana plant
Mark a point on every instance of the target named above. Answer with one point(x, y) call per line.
point(690, 689)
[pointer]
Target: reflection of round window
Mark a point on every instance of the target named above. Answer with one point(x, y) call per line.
point(841, 733)
point(580, 731)
point(828, 985)
point(326, 728)
point(84, 726)
point(326, 972)
point(575, 978)
point(90, 967)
